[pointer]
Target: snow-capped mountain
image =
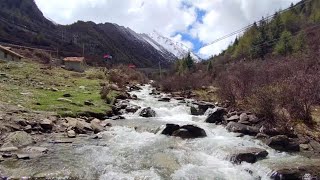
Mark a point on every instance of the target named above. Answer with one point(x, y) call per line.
point(162, 43)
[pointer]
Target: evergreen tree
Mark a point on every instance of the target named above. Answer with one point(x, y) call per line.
point(209, 66)
point(189, 61)
point(285, 45)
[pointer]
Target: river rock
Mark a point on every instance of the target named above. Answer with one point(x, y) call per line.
point(283, 143)
point(34, 149)
point(134, 88)
point(216, 116)
point(305, 172)
point(88, 103)
point(241, 128)
point(71, 134)
point(204, 106)
point(195, 111)
point(8, 149)
point(23, 156)
point(170, 128)
point(46, 125)
point(164, 99)
point(96, 127)
point(147, 112)
point(64, 100)
point(184, 132)
point(83, 127)
point(18, 139)
point(134, 97)
point(315, 146)
point(132, 108)
point(189, 131)
point(234, 118)
point(249, 155)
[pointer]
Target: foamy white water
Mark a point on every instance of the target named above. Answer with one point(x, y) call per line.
point(126, 153)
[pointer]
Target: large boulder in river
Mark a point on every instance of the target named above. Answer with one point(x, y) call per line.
point(184, 132)
point(147, 112)
point(283, 143)
point(241, 128)
point(249, 155)
point(293, 171)
point(216, 116)
point(204, 106)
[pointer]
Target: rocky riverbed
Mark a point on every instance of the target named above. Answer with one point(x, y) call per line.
point(152, 136)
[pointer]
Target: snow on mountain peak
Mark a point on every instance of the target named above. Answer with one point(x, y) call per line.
point(177, 48)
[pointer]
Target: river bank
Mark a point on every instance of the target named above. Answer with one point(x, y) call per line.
point(134, 148)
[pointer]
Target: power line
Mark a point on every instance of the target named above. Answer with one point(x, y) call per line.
point(251, 25)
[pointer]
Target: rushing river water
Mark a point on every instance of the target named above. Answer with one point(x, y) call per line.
point(132, 150)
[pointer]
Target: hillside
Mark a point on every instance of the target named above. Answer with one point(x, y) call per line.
point(23, 23)
point(284, 33)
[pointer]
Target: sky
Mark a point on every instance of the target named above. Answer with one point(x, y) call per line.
point(195, 23)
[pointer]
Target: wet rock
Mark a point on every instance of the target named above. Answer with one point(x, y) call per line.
point(164, 99)
point(134, 97)
point(134, 88)
point(132, 108)
point(283, 143)
point(46, 125)
point(196, 111)
point(8, 149)
point(64, 100)
point(154, 92)
point(147, 112)
point(123, 96)
point(184, 132)
point(296, 172)
point(88, 103)
point(249, 155)
point(189, 131)
point(170, 128)
point(18, 139)
point(62, 141)
point(179, 98)
point(71, 134)
point(96, 127)
point(216, 116)
point(114, 118)
point(241, 128)
point(204, 106)
point(261, 136)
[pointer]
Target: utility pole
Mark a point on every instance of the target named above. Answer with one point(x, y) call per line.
point(160, 70)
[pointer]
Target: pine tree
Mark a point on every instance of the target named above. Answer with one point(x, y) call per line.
point(189, 61)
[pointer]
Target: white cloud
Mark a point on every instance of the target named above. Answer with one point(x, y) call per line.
point(144, 16)
point(168, 17)
point(178, 38)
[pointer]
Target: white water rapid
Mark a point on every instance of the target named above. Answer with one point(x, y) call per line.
point(130, 150)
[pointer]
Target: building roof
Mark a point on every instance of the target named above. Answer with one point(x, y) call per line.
point(7, 50)
point(74, 59)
